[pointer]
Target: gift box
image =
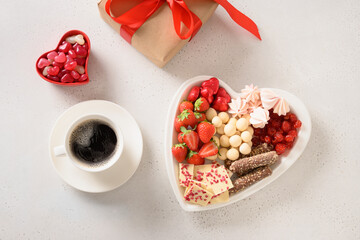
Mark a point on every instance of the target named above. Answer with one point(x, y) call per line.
point(160, 28)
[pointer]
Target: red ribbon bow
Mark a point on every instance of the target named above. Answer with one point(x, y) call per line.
point(134, 18)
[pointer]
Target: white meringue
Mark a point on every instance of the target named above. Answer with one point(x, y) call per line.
point(281, 107)
point(250, 93)
point(268, 98)
point(238, 107)
point(259, 117)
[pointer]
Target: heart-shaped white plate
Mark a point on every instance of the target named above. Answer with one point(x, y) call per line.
point(284, 164)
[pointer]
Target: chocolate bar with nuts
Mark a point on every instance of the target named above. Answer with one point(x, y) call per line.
point(244, 165)
point(249, 179)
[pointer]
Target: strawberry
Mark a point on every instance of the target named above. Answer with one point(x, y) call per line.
point(207, 93)
point(186, 105)
point(179, 152)
point(194, 94)
point(191, 138)
point(187, 117)
point(178, 124)
point(212, 83)
point(222, 93)
point(180, 137)
point(220, 104)
point(205, 130)
point(201, 105)
point(208, 149)
point(200, 116)
point(194, 158)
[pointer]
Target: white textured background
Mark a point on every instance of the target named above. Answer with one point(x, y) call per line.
point(310, 48)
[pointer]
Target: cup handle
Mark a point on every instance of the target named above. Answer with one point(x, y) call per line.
point(59, 151)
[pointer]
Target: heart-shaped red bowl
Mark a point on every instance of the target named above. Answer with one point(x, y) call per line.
point(67, 34)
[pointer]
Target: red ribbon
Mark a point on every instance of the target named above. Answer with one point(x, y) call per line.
point(134, 18)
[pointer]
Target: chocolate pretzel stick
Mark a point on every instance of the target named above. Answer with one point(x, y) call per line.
point(244, 165)
point(249, 179)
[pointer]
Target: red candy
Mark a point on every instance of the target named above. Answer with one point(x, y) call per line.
point(72, 53)
point(81, 61)
point(80, 50)
point(51, 55)
point(61, 58)
point(70, 65)
point(67, 78)
point(43, 62)
point(54, 78)
point(75, 75)
point(83, 77)
point(53, 70)
point(65, 47)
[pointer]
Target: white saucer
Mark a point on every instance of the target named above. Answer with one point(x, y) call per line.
point(116, 175)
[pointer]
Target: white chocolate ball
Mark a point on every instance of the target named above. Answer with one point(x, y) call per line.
point(235, 141)
point(245, 149)
point(232, 121)
point(242, 124)
point(224, 116)
point(210, 114)
point(220, 130)
point(229, 129)
point(246, 136)
point(250, 130)
point(212, 158)
point(224, 141)
point(222, 153)
point(216, 121)
point(232, 154)
point(216, 140)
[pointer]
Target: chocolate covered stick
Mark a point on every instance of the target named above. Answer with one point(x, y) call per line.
point(244, 165)
point(262, 148)
point(249, 179)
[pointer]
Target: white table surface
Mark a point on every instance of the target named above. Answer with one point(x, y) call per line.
point(310, 48)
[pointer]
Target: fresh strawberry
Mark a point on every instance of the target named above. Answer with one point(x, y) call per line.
point(180, 137)
point(200, 116)
point(178, 124)
point(191, 138)
point(201, 105)
point(205, 130)
point(194, 94)
point(212, 83)
point(194, 158)
point(179, 152)
point(187, 117)
point(186, 105)
point(208, 149)
point(220, 104)
point(207, 93)
point(222, 93)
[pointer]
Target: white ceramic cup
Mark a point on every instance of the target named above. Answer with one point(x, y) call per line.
point(65, 148)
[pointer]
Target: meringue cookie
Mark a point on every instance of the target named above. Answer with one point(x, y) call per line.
point(281, 107)
point(238, 107)
point(250, 93)
point(259, 117)
point(268, 98)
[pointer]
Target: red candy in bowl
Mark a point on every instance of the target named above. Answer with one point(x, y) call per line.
point(67, 64)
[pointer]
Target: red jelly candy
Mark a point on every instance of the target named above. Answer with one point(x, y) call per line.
point(80, 61)
point(75, 75)
point(51, 55)
point(43, 62)
point(60, 65)
point(54, 78)
point(67, 78)
point(72, 53)
point(61, 58)
point(83, 77)
point(53, 70)
point(80, 50)
point(65, 47)
point(69, 59)
point(63, 72)
point(70, 65)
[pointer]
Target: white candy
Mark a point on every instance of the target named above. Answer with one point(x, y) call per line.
point(71, 39)
point(232, 121)
point(80, 69)
point(216, 121)
point(212, 158)
point(229, 129)
point(242, 124)
point(79, 39)
point(232, 154)
point(216, 140)
point(245, 148)
point(224, 141)
point(246, 136)
point(220, 130)
point(235, 141)
point(250, 130)
point(224, 117)
point(210, 114)
point(44, 72)
point(222, 154)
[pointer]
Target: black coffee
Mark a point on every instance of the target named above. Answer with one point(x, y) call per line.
point(93, 141)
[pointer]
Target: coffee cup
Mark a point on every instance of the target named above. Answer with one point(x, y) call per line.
point(92, 143)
